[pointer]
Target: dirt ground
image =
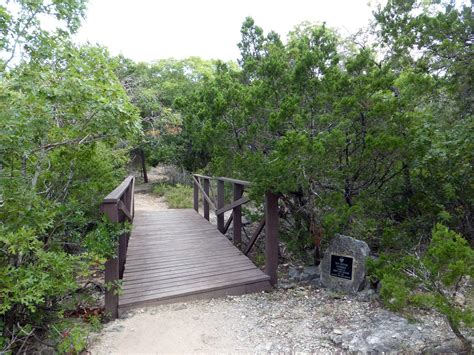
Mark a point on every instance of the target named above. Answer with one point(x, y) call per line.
point(301, 320)
point(176, 329)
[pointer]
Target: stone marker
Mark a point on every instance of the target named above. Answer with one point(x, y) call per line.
point(343, 265)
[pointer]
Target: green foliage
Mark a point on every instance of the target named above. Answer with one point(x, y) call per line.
point(259, 259)
point(370, 140)
point(65, 121)
point(20, 25)
point(154, 89)
point(116, 286)
point(70, 336)
point(176, 196)
point(367, 140)
point(431, 280)
point(103, 239)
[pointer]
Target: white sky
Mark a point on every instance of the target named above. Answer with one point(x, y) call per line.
point(146, 30)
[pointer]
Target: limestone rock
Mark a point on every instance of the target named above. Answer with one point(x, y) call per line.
point(304, 274)
point(343, 266)
point(386, 333)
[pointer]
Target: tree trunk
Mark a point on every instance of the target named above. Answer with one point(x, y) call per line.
point(142, 157)
point(465, 342)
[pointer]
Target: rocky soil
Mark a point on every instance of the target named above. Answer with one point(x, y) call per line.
point(295, 320)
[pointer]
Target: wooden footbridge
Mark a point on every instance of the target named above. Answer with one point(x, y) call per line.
point(178, 255)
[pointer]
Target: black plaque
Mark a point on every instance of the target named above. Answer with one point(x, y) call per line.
point(341, 266)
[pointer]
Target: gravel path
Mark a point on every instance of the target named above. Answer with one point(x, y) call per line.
point(298, 320)
point(144, 199)
point(147, 202)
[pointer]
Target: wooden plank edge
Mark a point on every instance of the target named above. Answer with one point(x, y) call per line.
point(195, 287)
point(260, 286)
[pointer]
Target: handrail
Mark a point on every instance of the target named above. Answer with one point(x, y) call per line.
point(269, 222)
point(231, 206)
point(118, 192)
point(204, 194)
point(234, 204)
point(120, 199)
point(226, 179)
point(234, 181)
point(203, 176)
point(118, 206)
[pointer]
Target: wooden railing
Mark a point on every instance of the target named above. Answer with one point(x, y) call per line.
point(119, 207)
point(202, 184)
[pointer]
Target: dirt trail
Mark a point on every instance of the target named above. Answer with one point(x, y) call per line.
point(300, 320)
point(144, 199)
point(182, 328)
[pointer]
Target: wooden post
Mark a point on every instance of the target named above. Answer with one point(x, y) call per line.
point(127, 197)
point(205, 203)
point(271, 236)
point(132, 208)
point(220, 204)
point(112, 266)
point(237, 213)
point(122, 253)
point(196, 196)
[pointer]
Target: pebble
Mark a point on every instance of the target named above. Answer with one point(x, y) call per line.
point(116, 328)
point(179, 307)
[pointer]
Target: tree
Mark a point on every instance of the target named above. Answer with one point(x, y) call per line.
point(20, 24)
point(64, 123)
point(154, 88)
point(308, 119)
point(432, 43)
point(357, 139)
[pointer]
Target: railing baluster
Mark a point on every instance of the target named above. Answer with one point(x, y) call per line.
point(270, 220)
point(196, 197)
point(255, 235)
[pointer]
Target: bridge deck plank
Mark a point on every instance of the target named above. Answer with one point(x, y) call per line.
point(176, 255)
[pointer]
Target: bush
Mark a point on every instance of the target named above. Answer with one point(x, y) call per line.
point(431, 280)
point(176, 196)
point(65, 120)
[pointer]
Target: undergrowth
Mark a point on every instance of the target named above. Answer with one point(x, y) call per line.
point(176, 196)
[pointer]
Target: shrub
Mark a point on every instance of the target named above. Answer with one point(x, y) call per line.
point(431, 280)
point(176, 196)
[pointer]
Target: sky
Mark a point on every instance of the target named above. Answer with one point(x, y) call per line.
point(147, 30)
